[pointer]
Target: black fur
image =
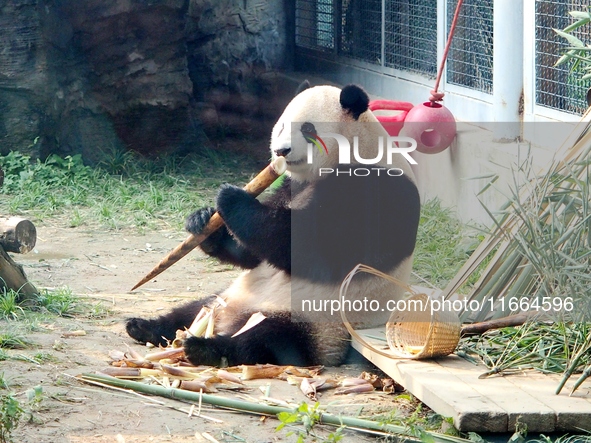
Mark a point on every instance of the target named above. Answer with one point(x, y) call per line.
point(220, 244)
point(160, 330)
point(349, 220)
point(262, 229)
point(276, 340)
point(354, 100)
point(303, 86)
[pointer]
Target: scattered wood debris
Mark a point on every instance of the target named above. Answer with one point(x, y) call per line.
point(170, 368)
point(77, 333)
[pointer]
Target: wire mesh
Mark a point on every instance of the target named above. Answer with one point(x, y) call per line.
point(404, 34)
point(314, 24)
point(411, 36)
point(557, 87)
point(361, 30)
point(470, 59)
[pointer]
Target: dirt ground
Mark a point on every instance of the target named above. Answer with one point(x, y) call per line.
point(104, 266)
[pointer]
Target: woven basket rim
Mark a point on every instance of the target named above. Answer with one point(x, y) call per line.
point(433, 346)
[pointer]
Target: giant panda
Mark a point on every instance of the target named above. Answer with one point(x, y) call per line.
point(303, 240)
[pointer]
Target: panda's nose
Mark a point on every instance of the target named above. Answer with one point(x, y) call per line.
point(282, 152)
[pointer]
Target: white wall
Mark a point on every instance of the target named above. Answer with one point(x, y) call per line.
point(497, 131)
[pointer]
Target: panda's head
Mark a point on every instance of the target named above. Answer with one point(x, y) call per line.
point(324, 109)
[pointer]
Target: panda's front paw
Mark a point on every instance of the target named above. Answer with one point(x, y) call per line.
point(195, 224)
point(234, 202)
point(144, 331)
point(198, 220)
point(207, 351)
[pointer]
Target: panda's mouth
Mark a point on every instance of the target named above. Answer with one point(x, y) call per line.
point(295, 162)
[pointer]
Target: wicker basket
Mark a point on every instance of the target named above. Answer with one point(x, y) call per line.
point(422, 334)
point(413, 333)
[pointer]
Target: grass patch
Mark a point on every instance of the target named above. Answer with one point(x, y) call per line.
point(10, 340)
point(60, 301)
point(9, 307)
point(126, 191)
point(64, 303)
point(48, 305)
point(443, 245)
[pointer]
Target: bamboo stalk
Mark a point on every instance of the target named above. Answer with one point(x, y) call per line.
point(166, 353)
point(257, 185)
point(482, 327)
point(257, 408)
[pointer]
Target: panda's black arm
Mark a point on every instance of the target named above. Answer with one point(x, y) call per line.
point(264, 230)
point(220, 244)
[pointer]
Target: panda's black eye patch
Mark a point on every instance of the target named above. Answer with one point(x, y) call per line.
point(308, 129)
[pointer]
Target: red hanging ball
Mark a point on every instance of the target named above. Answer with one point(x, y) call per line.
point(432, 125)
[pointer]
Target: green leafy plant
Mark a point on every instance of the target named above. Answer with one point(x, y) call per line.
point(10, 414)
point(540, 265)
point(35, 397)
point(304, 415)
point(578, 52)
point(307, 417)
point(61, 301)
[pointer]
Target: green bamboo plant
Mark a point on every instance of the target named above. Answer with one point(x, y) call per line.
point(538, 255)
point(265, 409)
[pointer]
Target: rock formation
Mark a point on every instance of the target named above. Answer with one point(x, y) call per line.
point(154, 76)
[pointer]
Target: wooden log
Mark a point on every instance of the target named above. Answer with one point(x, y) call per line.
point(17, 235)
point(13, 277)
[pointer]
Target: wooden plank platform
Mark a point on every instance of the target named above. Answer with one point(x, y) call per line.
point(451, 387)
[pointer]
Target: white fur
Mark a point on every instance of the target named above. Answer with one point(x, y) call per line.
point(311, 106)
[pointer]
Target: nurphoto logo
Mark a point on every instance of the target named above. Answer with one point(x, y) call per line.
point(388, 146)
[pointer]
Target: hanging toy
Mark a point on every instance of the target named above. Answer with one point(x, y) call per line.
point(393, 114)
point(431, 124)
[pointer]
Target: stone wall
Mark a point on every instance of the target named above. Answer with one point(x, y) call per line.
point(167, 76)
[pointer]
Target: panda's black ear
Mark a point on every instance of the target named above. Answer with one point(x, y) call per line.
point(303, 86)
point(354, 100)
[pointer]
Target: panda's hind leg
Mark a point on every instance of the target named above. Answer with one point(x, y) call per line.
point(161, 329)
point(276, 340)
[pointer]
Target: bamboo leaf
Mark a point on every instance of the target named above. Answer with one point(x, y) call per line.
point(574, 41)
point(583, 20)
point(580, 14)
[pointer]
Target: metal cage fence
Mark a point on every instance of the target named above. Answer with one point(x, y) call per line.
point(411, 36)
point(361, 30)
point(400, 34)
point(556, 87)
point(470, 59)
point(315, 24)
